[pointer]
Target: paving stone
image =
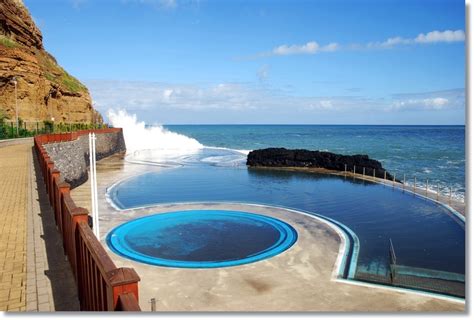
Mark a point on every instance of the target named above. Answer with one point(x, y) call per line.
point(43, 298)
point(31, 297)
point(44, 307)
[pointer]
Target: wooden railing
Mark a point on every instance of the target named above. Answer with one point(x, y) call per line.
point(100, 282)
point(128, 302)
point(101, 285)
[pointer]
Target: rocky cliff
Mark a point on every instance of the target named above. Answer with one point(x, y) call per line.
point(44, 89)
point(281, 157)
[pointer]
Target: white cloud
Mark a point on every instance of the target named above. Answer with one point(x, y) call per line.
point(164, 4)
point(428, 103)
point(441, 36)
point(246, 96)
point(437, 103)
point(389, 43)
point(440, 100)
point(333, 46)
point(311, 47)
point(308, 48)
point(446, 36)
point(167, 93)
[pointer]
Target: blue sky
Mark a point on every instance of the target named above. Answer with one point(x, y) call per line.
point(322, 62)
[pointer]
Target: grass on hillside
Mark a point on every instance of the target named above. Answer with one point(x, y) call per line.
point(56, 74)
point(53, 72)
point(7, 42)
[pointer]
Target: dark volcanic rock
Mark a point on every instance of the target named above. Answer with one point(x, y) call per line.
point(281, 157)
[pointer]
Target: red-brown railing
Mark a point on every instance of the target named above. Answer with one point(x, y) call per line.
point(101, 285)
point(100, 282)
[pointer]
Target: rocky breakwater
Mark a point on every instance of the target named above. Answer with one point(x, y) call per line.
point(44, 89)
point(300, 158)
point(72, 157)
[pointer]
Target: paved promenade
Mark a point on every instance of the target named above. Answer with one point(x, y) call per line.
point(34, 274)
point(14, 165)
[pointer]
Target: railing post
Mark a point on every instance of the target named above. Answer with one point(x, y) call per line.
point(393, 182)
point(373, 173)
point(121, 280)
point(77, 215)
point(153, 304)
point(414, 186)
point(437, 193)
point(54, 193)
point(64, 188)
point(450, 193)
point(45, 170)
point(404, 181)
point(426, 187)
point(363, 172)
point(385, 175)
point(354, 170)
point(50, 166)
point(345, 169)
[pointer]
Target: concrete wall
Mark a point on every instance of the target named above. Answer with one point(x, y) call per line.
point(72, 157)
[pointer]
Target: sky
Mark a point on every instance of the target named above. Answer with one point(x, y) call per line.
point(259, 62)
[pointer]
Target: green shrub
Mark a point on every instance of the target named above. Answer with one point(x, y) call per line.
point(48, 125)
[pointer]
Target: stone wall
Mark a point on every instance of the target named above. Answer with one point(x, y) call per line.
point(72, 157)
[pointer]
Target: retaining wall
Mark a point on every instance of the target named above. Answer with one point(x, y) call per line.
point(72, 157)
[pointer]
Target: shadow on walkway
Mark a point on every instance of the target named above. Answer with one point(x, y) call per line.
point(63, 286)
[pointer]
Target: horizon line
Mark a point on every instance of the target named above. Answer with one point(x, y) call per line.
point(308, 124)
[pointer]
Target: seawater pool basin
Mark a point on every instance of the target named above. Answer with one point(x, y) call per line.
point(201, 238)
point(424, 234)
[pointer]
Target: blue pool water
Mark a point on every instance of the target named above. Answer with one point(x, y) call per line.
point(424, 234)
point(202, 238)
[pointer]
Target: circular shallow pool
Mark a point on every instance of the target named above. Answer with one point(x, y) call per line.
point(201, 238)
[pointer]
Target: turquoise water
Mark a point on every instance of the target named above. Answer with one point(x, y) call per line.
point(202, 238)
point(436, 153)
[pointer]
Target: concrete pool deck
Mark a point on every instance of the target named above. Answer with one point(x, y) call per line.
point(299, 279)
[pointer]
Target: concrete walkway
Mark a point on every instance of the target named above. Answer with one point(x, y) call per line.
point(33, 271)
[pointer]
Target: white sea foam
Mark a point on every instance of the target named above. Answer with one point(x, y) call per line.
point(139, 137)
point(157, 145)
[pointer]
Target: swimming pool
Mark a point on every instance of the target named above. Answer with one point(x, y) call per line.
point(428, 238)
point(201, 238)
point(424, 234)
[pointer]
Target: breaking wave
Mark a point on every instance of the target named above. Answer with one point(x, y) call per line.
point(156, 145)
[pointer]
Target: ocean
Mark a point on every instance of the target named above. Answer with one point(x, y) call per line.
point(436, 153)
